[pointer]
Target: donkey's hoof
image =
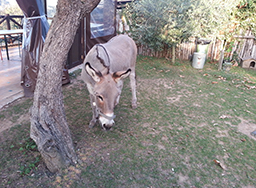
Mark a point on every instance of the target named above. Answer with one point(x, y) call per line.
point(92, 123)
point(134, 106)
point(91, 126)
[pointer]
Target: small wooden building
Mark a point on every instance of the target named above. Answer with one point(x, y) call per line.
point(249, 63)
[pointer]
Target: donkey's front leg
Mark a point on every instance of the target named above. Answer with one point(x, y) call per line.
point(120, 84)
point(95, 114)
point(133, 87)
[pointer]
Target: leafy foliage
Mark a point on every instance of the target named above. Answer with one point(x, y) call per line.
point(28, 146)
point(12, 10)
point(158, 23)
point(244, 16)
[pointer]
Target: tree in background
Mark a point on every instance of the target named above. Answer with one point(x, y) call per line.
point(11, 9)
point(244, 16)
point(165, 23)
point(3, 3)
point(242, 20)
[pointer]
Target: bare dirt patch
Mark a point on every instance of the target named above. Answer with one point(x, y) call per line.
point(7, 123)
point(246, 128)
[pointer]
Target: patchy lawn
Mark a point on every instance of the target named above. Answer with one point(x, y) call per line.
point(191, 129)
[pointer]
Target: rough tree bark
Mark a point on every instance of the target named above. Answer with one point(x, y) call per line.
point(49, 128)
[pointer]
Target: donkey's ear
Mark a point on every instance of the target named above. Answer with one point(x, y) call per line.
point(96, 75)
point(121, 75)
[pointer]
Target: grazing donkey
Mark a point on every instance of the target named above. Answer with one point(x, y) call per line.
point(104, 68)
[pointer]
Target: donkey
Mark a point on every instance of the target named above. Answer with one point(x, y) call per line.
point(103, 71)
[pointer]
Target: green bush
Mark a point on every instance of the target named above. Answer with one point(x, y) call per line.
point(244, 16)
point(160, 23)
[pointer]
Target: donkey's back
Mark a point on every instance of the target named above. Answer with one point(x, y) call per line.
point(122, 53)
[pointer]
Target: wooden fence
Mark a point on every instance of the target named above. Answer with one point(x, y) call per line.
point(11, 21)
point(245, 46)
point(184, 50)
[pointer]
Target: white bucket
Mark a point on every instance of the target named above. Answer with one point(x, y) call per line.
point(202, 48)
point(198, 60)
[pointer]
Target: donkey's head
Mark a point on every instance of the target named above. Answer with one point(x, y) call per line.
point(106, 93)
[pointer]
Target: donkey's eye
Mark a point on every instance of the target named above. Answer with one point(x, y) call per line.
point(100, 98)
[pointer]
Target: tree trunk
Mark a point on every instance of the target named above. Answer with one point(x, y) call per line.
point(49, 128)
point(173, 54)
point(221, 60)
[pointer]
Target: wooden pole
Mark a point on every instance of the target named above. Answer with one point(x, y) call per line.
point(8, 22)
point(222, 54)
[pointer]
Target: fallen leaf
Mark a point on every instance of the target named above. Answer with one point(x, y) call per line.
point(58, 179)
point(250, 82)
point(248, 111)
point(218, 164)
point(221, 78)
point(235, 64)
point(250, 87)
point(223, 117)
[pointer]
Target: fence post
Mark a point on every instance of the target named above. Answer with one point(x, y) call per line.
point(221, 59)
point(8, 22)
point(222, 50)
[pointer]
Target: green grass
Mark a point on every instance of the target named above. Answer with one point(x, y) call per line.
point(15, 111)
point(186, 118)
